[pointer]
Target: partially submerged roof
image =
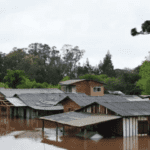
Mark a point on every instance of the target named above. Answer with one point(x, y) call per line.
point(79, 119)
point(12, 92)
point(39, 100)
point(84, 100)
point(130, 108)
point(16, 101)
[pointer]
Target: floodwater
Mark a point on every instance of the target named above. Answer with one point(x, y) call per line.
point(26, 134)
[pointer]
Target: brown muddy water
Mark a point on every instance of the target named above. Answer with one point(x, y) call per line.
point(26, 134)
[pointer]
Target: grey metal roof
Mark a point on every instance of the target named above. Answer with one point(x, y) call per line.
point(70, 81)
point(109, 98)
point(16, 101)
point(48, 108)
point(134, 98)
point(80, 99)
point(129, 108)
point(39, 100)
point(12, 92)
point(84, 100)
point(79, 119)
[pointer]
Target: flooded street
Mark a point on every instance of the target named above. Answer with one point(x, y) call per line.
point(17, 133)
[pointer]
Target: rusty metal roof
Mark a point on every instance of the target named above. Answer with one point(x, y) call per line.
point(79, 119)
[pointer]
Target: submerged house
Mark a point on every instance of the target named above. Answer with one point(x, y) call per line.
point(30, 103)
point(87, 106)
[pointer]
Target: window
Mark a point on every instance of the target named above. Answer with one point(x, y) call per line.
point(97, 89)
point(68, 89)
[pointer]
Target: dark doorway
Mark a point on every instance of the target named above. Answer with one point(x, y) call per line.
point(24, 112)
point(142, 127)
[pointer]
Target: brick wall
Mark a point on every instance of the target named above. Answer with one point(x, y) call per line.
point(69, 105)
point(87, 88)
point(82, 87)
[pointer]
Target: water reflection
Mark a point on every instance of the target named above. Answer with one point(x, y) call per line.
point(27, 134)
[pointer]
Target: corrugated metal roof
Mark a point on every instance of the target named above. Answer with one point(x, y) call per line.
point(70, 81)
point(129, 108)
point(16, 101)
point(79, 119)
point(41, 99)
point(12, 92)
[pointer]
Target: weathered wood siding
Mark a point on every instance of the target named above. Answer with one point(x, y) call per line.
point(95, 108)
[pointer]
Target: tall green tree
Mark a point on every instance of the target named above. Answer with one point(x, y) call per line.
point(14, 78)
point(2, 66)
point(107, 66)
point(144, 73)
point(145, 29)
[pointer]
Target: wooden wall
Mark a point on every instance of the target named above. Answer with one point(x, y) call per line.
point(95, 108)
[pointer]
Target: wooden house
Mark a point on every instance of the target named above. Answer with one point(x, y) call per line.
point(30, 103)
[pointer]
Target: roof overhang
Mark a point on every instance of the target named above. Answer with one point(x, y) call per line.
point(79, 119)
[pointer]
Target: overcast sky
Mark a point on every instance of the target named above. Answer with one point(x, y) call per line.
point(94, 25)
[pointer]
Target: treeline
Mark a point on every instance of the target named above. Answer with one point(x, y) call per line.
point(43, 66)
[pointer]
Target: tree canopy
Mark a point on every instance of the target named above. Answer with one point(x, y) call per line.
point(145, 29)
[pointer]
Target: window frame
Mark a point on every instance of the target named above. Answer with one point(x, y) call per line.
point(95, 89)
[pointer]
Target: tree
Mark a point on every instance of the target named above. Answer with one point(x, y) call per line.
point(129, 80)
point(40, 50)
point(144, 73)
point(2, 66)
point(14, 78)
point(14, 58)
point(107, 66)
point(145, 29)
point(71, 55)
